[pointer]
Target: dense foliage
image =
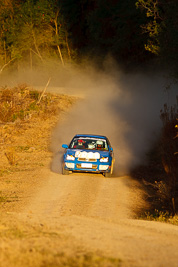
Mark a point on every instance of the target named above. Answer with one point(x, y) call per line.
point(31, 31)
point(132, 31)
point(168, 149)
point(162, 28)
point(107, 27)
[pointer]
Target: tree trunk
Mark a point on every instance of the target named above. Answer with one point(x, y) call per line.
point(5, 55)
point(31, 63)
point(60, 54)
point(57, 34)
point(68, 49)
point(36, 47)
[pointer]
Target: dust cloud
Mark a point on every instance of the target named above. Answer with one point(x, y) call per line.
point(123, 107)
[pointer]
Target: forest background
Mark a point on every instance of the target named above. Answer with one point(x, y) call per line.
point(136, 33)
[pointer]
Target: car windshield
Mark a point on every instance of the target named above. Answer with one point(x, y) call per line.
point(89, 143)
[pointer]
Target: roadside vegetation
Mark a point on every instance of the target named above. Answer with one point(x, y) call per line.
point(20, 108)
point(160, 175)
point(21, 103)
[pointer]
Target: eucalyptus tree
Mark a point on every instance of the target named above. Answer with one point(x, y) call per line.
point(41, 33)
point(6, 9)
point(162, 28)
point(32, 31)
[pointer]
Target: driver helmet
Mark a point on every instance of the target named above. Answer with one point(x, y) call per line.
point(99, 144)
point(80, 142)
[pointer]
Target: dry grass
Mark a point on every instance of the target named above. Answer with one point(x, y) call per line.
point(161, 216)
point(22, 103)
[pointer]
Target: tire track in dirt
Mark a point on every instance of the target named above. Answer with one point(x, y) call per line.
point(89, 195)
point(98, 214)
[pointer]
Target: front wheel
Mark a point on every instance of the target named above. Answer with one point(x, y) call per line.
point(64, 171)
point(109, 174)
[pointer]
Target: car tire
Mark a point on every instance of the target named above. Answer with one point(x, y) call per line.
point(109, 174)
point(64, 171)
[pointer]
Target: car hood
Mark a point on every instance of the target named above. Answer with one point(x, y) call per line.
point(84, 153)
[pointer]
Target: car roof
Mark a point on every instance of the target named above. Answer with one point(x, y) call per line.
point(91, 135)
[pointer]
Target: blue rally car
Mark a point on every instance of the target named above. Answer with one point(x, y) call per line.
point(88, 153)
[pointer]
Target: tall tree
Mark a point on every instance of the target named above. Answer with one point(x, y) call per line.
point(107, 26)
point(115, 27)
point(162, 27)
point(32, 30)
point(76, 13)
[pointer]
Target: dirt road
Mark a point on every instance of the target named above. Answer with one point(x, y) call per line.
point(96, 215)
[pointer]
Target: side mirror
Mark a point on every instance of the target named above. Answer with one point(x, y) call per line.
point(111, 149)
point(65, 146)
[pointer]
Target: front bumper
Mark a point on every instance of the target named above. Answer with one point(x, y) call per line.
point(83, 166)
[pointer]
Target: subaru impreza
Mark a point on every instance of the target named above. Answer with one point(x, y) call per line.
point(88, 153)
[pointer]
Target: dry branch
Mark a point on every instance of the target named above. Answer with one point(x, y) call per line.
point(44, 91)
point(5, 65)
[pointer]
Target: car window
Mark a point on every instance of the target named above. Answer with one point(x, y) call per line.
point(89, 143)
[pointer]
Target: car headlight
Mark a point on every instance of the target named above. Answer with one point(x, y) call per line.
point(70, 165)
point(104, 159)
point(103, 167)
point(70, 157)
